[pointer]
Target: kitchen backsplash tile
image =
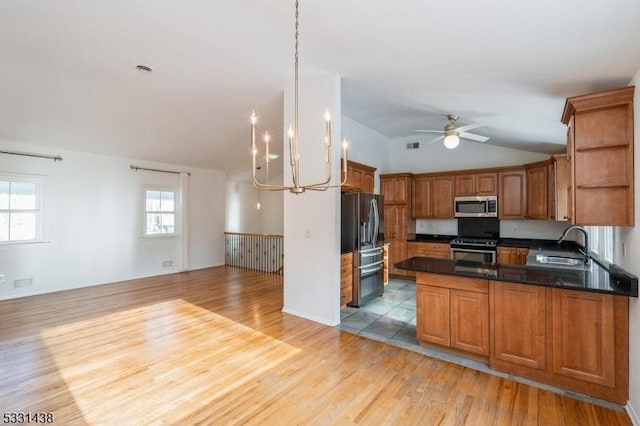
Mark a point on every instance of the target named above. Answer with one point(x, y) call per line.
point(536, 229)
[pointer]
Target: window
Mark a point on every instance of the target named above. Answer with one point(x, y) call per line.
point(160, 212)
point(20, 211)
point(601, 242)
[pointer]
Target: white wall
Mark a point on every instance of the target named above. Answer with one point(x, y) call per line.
point(631, 238)
point(366, 147)
point(436, 158)
point(242, 214)
point(311, 220)
point(437, 226)
point(93, 222)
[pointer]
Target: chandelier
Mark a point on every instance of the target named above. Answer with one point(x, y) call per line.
point(294, 151)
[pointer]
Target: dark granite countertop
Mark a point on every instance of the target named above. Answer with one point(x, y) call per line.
point(596, 279)
point(432, 238)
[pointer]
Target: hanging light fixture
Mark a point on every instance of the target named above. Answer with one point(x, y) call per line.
point(294, 147)
point(258, 205)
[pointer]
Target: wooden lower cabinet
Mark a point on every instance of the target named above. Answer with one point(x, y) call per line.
point(385, 267)
point(518, 327)
point(453, 311)
point(583, 336)
point(469, 326)
point(575, 340)
point(346, 278)
point(512, 255)
point(432, 324)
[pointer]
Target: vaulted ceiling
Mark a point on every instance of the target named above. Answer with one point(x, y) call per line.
point(68, 77)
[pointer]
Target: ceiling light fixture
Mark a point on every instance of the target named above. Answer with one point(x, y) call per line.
point(294, 148)
point(451, 140)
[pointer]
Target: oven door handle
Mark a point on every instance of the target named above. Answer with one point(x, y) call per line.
point(472, 250)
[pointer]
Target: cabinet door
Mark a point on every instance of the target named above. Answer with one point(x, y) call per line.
point(465, 185)
point(561, 184)
point(518, 325)
point(368, 182)
point(432, 322)
point(422, 198)
point(401, 189)
point(487, 184)
point(387, 189)
point(584, 336)
point(442, 197)
point(354, 178)
point(506, 255)
point(512, 195)
point(537, 197)
point(470, 321)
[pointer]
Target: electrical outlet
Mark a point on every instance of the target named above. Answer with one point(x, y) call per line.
point(167, 263)
point(24, 282)
point(1, 278)
point(624, 250)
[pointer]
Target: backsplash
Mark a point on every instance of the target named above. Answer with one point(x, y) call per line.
point(437, 226)
point(536, 229)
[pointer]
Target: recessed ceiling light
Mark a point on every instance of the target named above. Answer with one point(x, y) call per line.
point(143, 68)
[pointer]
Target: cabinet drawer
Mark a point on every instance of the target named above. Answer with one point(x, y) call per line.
point(449, 281)
point(346, 269)
point(346, 280)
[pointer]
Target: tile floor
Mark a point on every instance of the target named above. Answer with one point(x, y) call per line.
point(392, 319)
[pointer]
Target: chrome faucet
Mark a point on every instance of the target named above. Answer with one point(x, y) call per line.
point(586, 252)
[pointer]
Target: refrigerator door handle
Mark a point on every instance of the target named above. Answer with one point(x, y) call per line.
point(372, 254)
point(376, 218)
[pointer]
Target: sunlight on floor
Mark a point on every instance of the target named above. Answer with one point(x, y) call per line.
point(140, 367)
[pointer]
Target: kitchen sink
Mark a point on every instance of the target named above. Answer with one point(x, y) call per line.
point(557, 259)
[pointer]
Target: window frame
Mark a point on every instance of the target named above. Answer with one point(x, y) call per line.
point(38, 181)
point(175, 212)
point(602, 242)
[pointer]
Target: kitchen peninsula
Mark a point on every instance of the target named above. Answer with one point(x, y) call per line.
point(567, 328)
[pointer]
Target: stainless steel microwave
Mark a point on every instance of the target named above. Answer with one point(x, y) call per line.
point(481, 206)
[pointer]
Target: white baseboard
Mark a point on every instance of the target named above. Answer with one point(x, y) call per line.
point(633, 414)
point(325, 321)
point(117, 280)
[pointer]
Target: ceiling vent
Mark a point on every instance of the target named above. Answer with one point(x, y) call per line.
point(413, 145)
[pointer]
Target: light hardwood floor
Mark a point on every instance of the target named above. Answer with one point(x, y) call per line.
point(213, 347)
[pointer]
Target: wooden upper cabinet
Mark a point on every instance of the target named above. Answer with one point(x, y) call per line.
point(422, 207)
point(433, 196)
point(602, 156)
point(396, 188)
point(442, 197)
point(561, 187)
point(476, 184)
point(538, 192)
point(465, 185)
point(512, 200)
point(360, 177)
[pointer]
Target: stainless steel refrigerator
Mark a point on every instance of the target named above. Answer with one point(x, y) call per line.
point(362, 222)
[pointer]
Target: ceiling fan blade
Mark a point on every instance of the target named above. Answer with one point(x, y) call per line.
point(469, 127)
point(474, 137)
point(428, 131)
point(435, 140)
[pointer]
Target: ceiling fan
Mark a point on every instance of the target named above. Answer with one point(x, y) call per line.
point(452, 133)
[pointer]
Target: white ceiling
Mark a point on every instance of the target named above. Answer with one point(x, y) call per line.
point(68, 79)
